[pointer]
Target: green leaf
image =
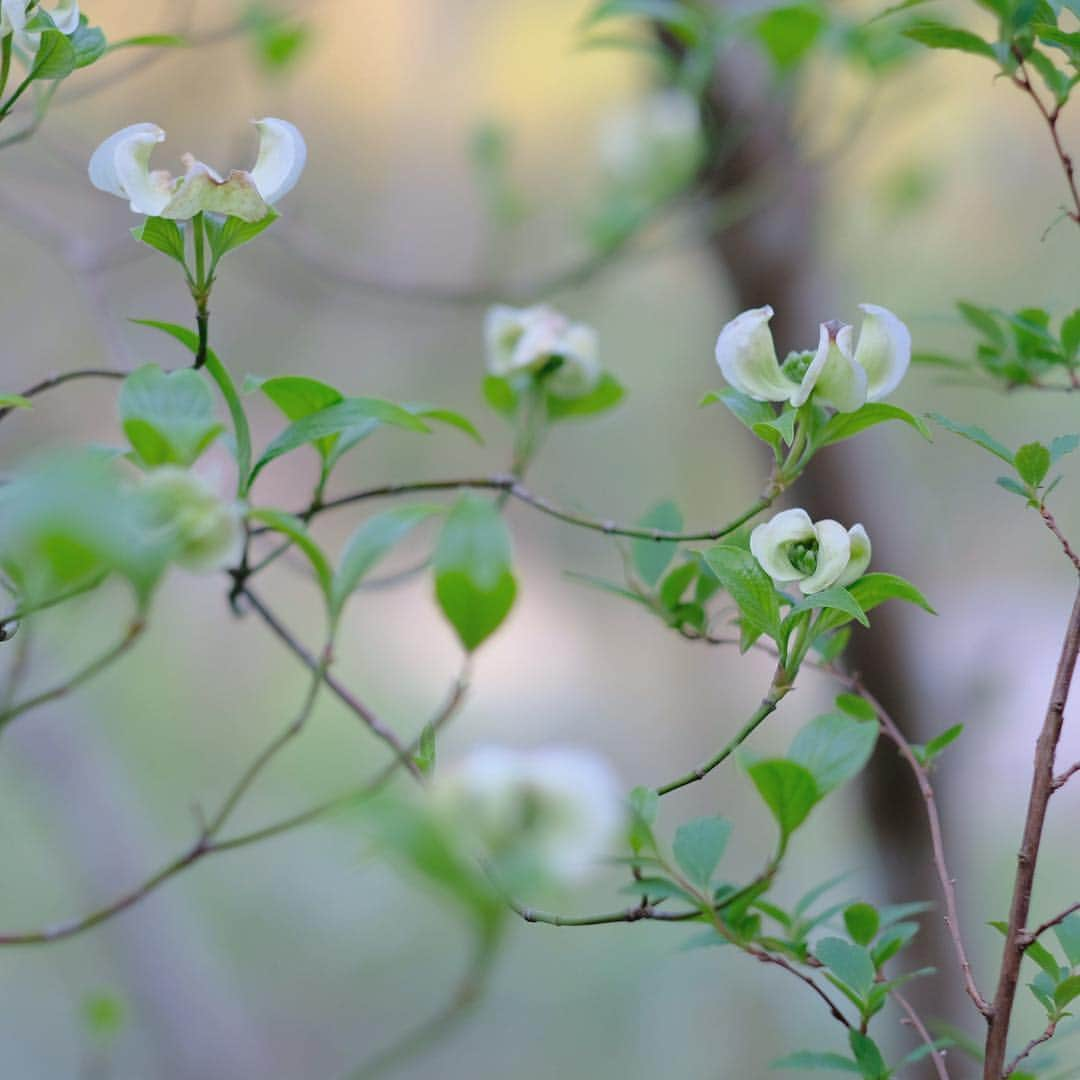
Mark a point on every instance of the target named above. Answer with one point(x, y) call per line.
point(1070, 335)
point(297, 532)
point(500, 394)
point(425, 752)
point(334, 420)
point(1037, 952)
point(1062, 445)
point(89, 44)
point(15, 401)
point(892, 940)
point(652, 557)
point(788, 33)
point(862, 922)
point(856, 706)
point(163, 235)
point(851, 964)
point(939, 742)
point(168, 418)
point(975, 435)
point(789, 791)
point(151, 41)
point(837, 599)
point(1033, 463)
point(607, 393)
point(1068, 935)
point(373, 540)
point(220, 374)
point(870, 591)
point(1067, 990)
point(55, 57)
point(473, 580)
point(845, 425)
point(226, 234)
point(758, 416)
point(1014, 487)
point(699, 846)
point(868, 1056)
point(812, 1060)
point(676, 583)
point(936, 35)
point(644, 804)
point(834, 748)
point(298, 396)
point(748, 585)
point(607, 586)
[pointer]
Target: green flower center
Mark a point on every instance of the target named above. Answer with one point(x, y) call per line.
point(803, 555)
point(796, 365)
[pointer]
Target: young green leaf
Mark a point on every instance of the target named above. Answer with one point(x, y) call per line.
point(834, 748)
point(812, 1060)
point(974, 434)
point(749, 586)
point(168, 418)
point(699, 845)
point(1033, 463)
point(868, 1056)
point(1062, 445)
point(789, 791)
point(844, 425)
point(940, 742)
point(870, 591)
point(473, 580)
point(373, 540)
point(607, 393)
point(226, 234)
point(935, 35)
point(1068, 934)
point(163, 235)
point(862, 922)
point(15, 401)
point(55, 57)
point(837, 598)
point(297, 532)
point(851, 964)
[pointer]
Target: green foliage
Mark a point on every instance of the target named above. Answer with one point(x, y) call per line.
point(652, 557)
point(474, 583)
point(788, 33)
point(844, 425)
point(699, 845)
point(292, 527)
point(788, 789)
point(870, 591)
point(834, 748)
point(168, 418)
point(103, 1014)
point(164, 235)
point(55, 58)
point(862, 923)
point(749, 586)
point(226, 234)
point(279, 40)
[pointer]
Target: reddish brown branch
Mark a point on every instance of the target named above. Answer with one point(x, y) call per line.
point(936, 1056)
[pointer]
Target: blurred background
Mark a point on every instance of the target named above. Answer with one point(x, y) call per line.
point(300, 957)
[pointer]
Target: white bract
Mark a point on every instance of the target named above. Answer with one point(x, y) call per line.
point(654, 143)
point(15, 14)
point(121, 166)
point(559, 809)
point(817, 555)
point(204, 531)
point(836, 374)
point(531, 339)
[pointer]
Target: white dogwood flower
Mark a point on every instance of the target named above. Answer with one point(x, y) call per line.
point(121, 166)
point(536, 338)
point(837, 375)
point(204, 531)
point(559, 809)
point(817, 555)
point(15, 14)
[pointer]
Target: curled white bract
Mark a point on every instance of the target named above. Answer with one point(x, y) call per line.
point(203, 531)
point(792, 548)
point(16, 14)
point(836, 373)
point(121, 166)
point(558, 808)
point(541, 339)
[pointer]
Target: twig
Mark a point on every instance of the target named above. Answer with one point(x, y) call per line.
point(509, 485)
point(1046, 1036)
point(354, 704)
point(60, 379)
point(1061, 780)
point(1042, 787)
point(936, 1056)
point(1052, 525)
point(1041, 929)
point(97, 665)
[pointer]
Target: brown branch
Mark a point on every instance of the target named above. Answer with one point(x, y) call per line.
point(53, 381)
point(353, 703)
point(936, 1056)
point(1041, 929)
point(1066, 776)
point(1062, 539)
point(1046, 1036)
point(1042, 787)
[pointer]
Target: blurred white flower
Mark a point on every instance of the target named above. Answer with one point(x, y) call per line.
point(530, 339)
point(817, 555)
point(15, 14)
point(654, 144)
point(835, 375)
point(205, 531)
point(558, 809)
point(121, 166)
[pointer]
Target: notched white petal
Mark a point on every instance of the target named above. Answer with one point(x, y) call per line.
point(281, 159)
point(884, 351)
point(833, 375)
point(860, 556)
point(747, 357)
point(769, 541)
point(124, 156)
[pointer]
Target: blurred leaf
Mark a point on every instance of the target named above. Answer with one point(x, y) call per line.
point(15, 401)
point(834, 748)
point(788, 33)
point(868, 1056)
point(473, 580)
point(652, 557)
point(1062, 445)
point(699, 845)
point(851, 964)
point(89, 44)
point(371, 541)
point(607, 393)
point(296, 530)
point(936, 35)
point(861, 921)
point(812, 1060)
point(1068, 935)
point(1033, 463)
point(168, 418)
point(104, 1014)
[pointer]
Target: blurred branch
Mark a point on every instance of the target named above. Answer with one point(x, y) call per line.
point(354, 704)
point(52, 381)
point(936, 1056)
point(1057, 920)
point(1052, 525)
point(1046, 1036)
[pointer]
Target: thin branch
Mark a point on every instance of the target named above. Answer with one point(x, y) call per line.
point(1062, 539)
point(778, 690)
point(60, 379)
point(1057, 920)
point(1061, 780)
point(353, 703)
point(936, 1056)
point(83, 675)
point(1042, 787)
point(510, 486)
point(1046, 1036)
point(781, 962)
